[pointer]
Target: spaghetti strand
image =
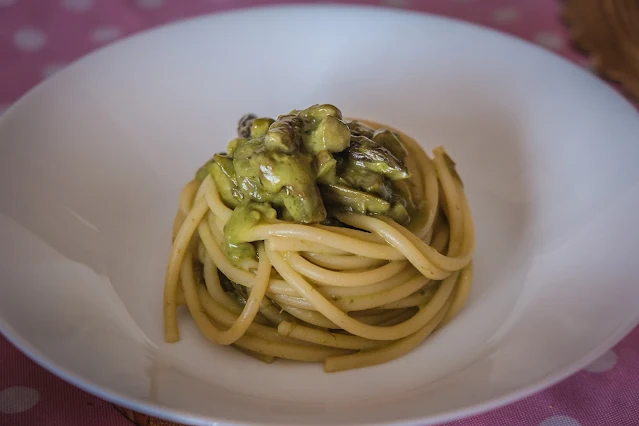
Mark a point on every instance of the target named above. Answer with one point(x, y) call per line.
point(353, 291)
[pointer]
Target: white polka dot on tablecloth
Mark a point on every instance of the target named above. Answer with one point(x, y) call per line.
point(78, 5)
point(8, 2)
point(604, 363)
point(396, 3)
point(17, 399)
point(29, 39)
point(550, 40)
point(506, 15)
point(560, 421)
point(150, 4)
point(105, 34)
point(51, 69)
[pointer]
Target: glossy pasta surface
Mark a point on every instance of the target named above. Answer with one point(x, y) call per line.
point(320, 239)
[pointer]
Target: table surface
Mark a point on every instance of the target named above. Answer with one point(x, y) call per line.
point(40, 37)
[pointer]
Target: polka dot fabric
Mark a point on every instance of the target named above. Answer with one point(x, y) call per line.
point(40, 37)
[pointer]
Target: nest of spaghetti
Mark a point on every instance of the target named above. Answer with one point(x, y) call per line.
point(320, 239)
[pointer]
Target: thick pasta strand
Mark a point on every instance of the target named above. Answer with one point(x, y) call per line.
point(225, 318)
point(377, 318)
point(217, 205)
point(385, 353)
point(344, 279)
point(353, 326)
point(453, 203)
point(342, 262)
point(331, 239)
point(379, 300)
point(415, 250)
point(187, 196)
point(462, 292)
point(369, 290)
point(358, 302)
point(310, 317)
point(178, 251)
point(405, 315)
point(213, 286)
point(292, 244)
point(355, 233)
point(238, 328)
point(426, 188)
point(235, 274)
point(397, 239)
point(409, 301)
point(326, 338)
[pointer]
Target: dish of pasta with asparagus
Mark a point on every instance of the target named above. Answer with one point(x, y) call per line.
point(321, 239)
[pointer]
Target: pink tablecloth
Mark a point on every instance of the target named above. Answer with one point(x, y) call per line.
point(39, 37)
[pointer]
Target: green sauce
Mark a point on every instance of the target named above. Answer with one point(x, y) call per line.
point(302, 168)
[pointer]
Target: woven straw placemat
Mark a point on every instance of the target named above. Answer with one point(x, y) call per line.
point(608, 31)
point(142, 419)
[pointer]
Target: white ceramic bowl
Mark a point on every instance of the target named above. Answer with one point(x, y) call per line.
point(91, 163)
